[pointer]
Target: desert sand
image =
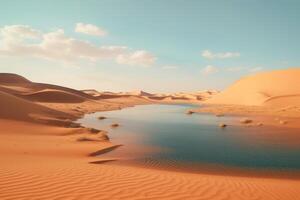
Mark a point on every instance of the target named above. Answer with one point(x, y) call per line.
point(45, 155)
point(272, 98)
point(276, 87)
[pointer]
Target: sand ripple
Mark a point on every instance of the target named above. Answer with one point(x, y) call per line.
point(78, 180)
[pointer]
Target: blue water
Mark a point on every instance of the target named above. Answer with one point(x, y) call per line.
point(195, 139)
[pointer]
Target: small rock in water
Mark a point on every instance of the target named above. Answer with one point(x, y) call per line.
point(190, 112)
point(222, 125)
point(246, 121)
point(101, 117)
point(93, 130)
point(104, 136)
point(219, 115)
point(74, 125)
point(115, 125)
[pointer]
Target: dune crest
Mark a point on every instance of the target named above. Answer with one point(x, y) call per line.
point(20, 109)
point(262, 89)
point(13, 79)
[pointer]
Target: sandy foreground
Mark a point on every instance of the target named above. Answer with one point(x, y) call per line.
point(45, 155)
point(41, 162)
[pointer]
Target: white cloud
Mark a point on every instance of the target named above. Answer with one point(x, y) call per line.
point(209, 69)
point(170, 67)
point(140, 57)
point(14, 34)
point(58, 46)
point(90, 29)
point(210, 55)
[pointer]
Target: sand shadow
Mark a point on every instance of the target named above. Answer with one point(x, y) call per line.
point(105, 150)
point(102, 161)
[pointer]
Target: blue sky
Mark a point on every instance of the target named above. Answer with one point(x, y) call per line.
point(165, 42)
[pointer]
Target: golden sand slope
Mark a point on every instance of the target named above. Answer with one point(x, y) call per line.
point(41, 100)
point(54, 96)
point(18, 85)
point(272, 98)
point(263, 88)
point(19, 109)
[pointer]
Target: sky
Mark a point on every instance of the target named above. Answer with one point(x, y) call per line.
point(156, 46)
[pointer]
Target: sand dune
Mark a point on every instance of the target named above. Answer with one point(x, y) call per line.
point(19, 85)
point(139, 93)
point(92, 92)
point(265, 96)
point(13, 79)
point(183, 97)
point(165, 98)
point(54, 96)
point(43, 86)
point(284, 100)
point(70, 101)
point(260, 88)
point(16, 108)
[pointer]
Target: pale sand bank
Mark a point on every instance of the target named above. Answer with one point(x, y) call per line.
point(272, 98)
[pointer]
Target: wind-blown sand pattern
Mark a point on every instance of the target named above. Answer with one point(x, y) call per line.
point(76, 180)
point(42, 156)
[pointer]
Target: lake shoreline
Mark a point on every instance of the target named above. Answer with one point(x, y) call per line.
point(129, 113)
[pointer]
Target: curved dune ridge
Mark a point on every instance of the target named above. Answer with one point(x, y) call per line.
point(23, 100)
point(16, 108)
point(54, 96)
point(290, 100)
point(75, 180)
point(41, 92)
point(278, 87)
point(8, 78)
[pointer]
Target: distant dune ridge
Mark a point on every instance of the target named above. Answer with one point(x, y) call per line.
point(279, 87)
point(185, 96)
point(55, 102)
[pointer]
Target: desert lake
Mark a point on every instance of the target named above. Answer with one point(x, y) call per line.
point(166, 135)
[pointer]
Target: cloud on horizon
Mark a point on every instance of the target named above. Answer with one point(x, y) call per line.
point(210, 55)
point(140, 57)
point(22, 40)
point(90, 29)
